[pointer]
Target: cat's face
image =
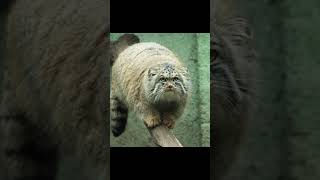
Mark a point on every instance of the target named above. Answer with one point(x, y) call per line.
point(165, 84)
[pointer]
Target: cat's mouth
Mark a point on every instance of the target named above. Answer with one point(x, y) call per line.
point(169, 90)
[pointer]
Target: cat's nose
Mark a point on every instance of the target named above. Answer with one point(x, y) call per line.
point(169, 86)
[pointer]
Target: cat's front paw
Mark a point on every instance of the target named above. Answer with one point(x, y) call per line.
point(168, 121)
point(152, 122)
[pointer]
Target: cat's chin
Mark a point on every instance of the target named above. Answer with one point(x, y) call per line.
point(168, 102)
point(169, 97)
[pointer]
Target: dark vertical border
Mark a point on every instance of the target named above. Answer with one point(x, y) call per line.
point(108, 171)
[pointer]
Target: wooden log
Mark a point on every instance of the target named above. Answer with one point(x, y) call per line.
point(163, 137)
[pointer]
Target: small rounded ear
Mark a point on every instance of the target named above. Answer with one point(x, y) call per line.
point(130, 39)
point(121, 44)
point(152, 72)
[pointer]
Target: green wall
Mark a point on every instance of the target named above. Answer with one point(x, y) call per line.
point(192, 129)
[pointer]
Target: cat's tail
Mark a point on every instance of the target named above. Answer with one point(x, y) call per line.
point(121, 44)
point(119, 115)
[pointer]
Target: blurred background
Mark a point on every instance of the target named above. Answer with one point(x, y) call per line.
point(193, 128)
point(283, 140)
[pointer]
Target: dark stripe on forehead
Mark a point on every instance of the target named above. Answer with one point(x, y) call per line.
point(168, 69)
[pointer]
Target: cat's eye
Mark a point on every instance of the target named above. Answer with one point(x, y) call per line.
point(162, 79)
point(152, 72)
point(175, 79)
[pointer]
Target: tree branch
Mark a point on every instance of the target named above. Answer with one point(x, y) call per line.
point(163, 137)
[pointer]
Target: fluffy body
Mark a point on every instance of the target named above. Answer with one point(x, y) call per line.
point(151, 81)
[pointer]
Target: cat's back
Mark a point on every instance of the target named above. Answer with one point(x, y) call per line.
point(142, 55)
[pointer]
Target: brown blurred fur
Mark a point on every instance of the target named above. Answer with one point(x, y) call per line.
point(232, 82)
point(55, 106)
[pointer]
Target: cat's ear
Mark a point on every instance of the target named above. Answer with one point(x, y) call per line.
point(152, 72)
point(121, 44)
